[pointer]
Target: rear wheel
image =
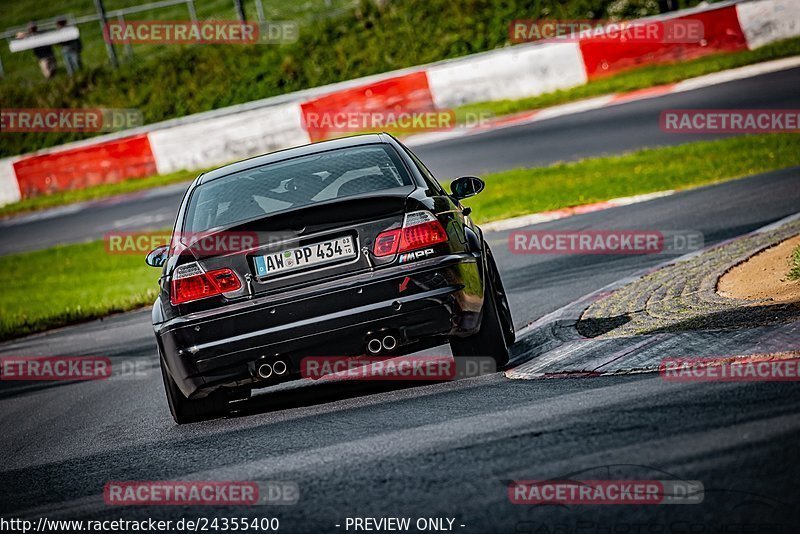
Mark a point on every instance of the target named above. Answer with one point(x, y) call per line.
point(490, 339)
point(501, 301)
point(185, 410)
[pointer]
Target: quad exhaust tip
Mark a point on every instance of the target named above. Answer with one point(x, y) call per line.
point(265, 370)
point(279, 367)
point(374, 345)
point(389, 343)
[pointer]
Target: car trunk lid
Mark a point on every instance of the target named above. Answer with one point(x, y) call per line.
point(305, 245)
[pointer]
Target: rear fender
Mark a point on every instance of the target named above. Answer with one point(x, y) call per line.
point(157, 313)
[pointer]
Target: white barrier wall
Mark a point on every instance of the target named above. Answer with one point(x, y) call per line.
point(767, 21)
point(508, 73)
point(9, 188)
point(224, 139)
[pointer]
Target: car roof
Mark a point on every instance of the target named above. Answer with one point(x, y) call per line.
point(289, 153)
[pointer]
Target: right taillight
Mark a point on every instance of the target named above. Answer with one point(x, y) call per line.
point(420, 229)
point(190, 282)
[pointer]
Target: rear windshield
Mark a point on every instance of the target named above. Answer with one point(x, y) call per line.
point(294, 183)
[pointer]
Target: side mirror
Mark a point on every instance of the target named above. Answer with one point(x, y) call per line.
point(466, 186)
point(158, 256)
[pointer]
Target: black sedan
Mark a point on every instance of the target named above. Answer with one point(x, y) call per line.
point(343, 248)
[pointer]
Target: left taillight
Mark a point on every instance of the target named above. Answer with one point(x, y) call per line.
point(420, 229)
point(190, 282)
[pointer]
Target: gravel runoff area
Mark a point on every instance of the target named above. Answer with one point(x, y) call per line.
point(765, 276)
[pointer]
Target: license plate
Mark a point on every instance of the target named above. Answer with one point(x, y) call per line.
point(311, 255)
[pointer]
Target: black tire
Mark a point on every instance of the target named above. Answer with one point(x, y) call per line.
point(490, 339)
point(501, 301)
point(185, 410)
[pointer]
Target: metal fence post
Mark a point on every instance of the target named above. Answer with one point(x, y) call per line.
point(101, 12)
point(192, 12)
point(239, 10)
point(260, 11)
point(128, 47)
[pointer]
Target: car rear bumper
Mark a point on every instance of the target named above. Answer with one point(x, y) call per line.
point(421, 303)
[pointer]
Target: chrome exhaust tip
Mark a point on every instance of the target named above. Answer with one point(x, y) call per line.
point(374, 345)
point(265, 370)
point(389, 343)
point(279, 367)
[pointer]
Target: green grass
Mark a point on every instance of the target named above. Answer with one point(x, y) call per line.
point(519, 192)
point(67, 284)
point(641, 78)
point(72, 283)
point(794, 271)
point(96, 192)
point(15, 13)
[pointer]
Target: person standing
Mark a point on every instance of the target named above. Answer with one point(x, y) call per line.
point(44, 54)
point(70, 50)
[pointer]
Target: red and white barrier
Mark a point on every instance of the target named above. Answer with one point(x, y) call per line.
point(407, 92)
point(721, 33)
point(9, 188)
point(507, 73)
point(198, 145)
point(525, 70)
point(76, 168)
point(766, 21)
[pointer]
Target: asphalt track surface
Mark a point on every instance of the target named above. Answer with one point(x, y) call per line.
point(446, 450)
point(611, 130)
